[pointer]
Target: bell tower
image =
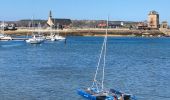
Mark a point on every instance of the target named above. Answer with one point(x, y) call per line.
point(50, 14)
point(50, 20)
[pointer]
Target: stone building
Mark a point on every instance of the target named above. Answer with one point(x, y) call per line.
point(164, 24)
point(153, 20)
point(50, 21)
point(58, 23)
point(142, 26)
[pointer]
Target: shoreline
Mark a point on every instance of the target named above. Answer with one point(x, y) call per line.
point(90, 32)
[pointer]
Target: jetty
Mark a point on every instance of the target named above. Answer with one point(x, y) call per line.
point(20, 39)
point(13, 38)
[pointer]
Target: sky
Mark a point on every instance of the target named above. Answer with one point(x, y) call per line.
point(125, 10)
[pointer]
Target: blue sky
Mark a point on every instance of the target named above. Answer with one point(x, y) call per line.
point(131, 10)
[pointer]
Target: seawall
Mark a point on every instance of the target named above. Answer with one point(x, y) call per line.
point(90, 32)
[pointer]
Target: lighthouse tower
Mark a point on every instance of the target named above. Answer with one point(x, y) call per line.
point(153, 19)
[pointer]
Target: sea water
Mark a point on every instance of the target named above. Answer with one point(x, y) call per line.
point(55, 70)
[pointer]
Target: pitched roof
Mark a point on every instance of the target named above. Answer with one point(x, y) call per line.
point(57, 21)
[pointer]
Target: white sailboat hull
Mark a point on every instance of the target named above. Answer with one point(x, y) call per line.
point(5, 37)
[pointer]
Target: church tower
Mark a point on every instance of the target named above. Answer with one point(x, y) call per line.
point(50, 21)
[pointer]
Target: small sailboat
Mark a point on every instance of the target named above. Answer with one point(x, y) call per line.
point(97, 90)
point(3, 36)
point(36, 39)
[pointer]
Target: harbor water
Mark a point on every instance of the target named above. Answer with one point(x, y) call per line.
point(55, 70)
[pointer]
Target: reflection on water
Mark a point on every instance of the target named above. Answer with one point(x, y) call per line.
point(53, 70)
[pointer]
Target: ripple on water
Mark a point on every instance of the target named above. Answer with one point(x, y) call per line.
point(54, 70)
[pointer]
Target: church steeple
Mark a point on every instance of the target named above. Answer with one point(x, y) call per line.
point(50, 14)
point(50, 20)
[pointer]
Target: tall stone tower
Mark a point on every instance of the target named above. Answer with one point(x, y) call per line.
point(50, 21)
point(153, 19)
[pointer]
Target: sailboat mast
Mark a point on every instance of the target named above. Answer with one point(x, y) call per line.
point(39, 28)
point(32, 25)
point(104, 58)
point(3, 27)
point(98, 64)
point(58, 28)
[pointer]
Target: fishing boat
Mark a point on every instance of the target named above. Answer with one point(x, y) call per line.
point(97, 90)
point(55, 37)
point(36, 39)
point(59, 38)
point(51, 37)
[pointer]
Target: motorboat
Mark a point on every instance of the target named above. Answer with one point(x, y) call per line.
point(59, 38)
point(51, 37)
point(35, 40)
point(54, 37)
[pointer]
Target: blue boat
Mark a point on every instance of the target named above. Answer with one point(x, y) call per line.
point(97, 90)
point(110, 95)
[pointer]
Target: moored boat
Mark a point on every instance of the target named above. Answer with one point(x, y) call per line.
point(97, 90)
point(35, 40)
point(4, 37)
point(58, 37)
point(54, 37)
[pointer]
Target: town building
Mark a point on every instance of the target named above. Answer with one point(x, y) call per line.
point(142, 26)
point(164, 25)
point(8, 26)
point(58, 23)
point(50, 20)
point(102, 24)
point(153, 20)
point(116, 24)
point(112, 24)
